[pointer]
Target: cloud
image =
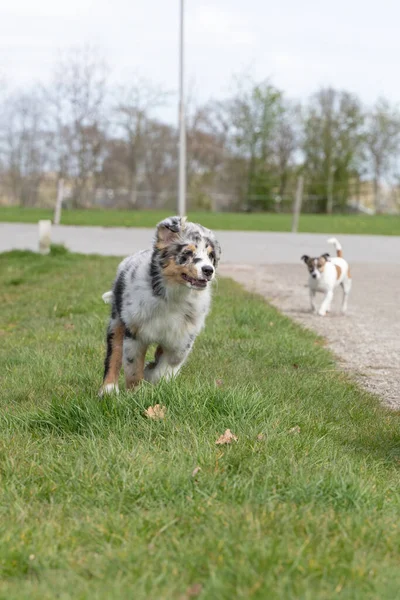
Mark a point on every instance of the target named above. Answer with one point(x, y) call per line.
point(221, 27)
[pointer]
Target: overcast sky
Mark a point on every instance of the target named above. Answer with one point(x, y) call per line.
point(300, 45)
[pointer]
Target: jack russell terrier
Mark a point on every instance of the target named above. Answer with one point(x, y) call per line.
point(326, 274)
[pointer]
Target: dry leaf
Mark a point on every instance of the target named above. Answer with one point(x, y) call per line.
point(69, 326)
point(295, 429)
point(195, 471)
point(227, 438)
point(260, 437)
point(295, 366)
point(271, 323)
point(219, 382)
point(155, 412)
point(192, 591)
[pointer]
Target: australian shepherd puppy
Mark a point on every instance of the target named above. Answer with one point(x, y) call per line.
point(161, 296)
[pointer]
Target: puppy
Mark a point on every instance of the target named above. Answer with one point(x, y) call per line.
point(326, 274)
point(162, 296)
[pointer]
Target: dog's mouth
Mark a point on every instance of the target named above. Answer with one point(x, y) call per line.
point(199, 284)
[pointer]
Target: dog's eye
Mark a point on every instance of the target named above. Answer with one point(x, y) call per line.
point(211, 256)
point(185, 256)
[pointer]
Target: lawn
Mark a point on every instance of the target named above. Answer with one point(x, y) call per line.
point(98, 502)
point(360, 224)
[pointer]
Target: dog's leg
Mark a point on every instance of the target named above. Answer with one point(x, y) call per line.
point(312, 300)
point(133, 359)
point(150, 366)
point(113, 360)
point(346, 285)
point(326, 303)
point(167, 365)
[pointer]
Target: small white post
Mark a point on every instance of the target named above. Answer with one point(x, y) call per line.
point(297, 204)
point(60, 196)
point(44, 237)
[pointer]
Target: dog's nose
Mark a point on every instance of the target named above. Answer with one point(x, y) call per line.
point(208, 271)
point(314, 275)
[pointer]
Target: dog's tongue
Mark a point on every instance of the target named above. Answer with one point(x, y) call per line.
point(196, 282)
point(200, 282)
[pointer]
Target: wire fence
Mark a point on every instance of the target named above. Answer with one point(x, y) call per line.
point(355, 198)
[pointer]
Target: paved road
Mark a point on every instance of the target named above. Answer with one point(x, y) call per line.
point(255, 248)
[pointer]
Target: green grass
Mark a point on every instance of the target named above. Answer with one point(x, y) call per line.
point(360, 224)
point(98, 502)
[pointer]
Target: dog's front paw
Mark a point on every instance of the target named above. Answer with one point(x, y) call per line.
point(322, 313)
point(109, 388)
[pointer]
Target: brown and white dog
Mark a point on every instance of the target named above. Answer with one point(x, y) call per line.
point(326, 274)
point(160, 296)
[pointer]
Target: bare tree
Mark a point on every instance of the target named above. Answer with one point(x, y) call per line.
point(382, 143)
point(206, 153)
point(23, 146)
point(77, 100)
point(286, 142)
point(132, 110)
point(160, 161)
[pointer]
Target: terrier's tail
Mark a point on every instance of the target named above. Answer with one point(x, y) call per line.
point(337, 245)
point(108, 297)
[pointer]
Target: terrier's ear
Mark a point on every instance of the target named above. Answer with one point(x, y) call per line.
point(305, 257)
point(326, 256)
point(169, 230)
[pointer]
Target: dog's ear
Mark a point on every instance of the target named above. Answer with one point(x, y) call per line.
point(305, 257)
point(169, 230)
point(217, 252)
point(326, 256)
point(216, 247)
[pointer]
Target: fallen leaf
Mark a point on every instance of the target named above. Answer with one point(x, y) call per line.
point(192, 591)
point(295, 366)
point(227, 438)
point(260, 437)
point(31, 557)
point(271, 323)
point(195, 471)
point(155, 412)
point(295, 429)
point(219, 382)
point(69, 326)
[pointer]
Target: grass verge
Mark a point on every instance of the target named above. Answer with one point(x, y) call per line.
point(98, 502)
point(359, 224)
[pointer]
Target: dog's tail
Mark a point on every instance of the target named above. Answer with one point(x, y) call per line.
point(338, 246)
point(108, 297)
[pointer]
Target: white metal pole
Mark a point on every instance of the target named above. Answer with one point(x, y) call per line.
point(182, 122)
